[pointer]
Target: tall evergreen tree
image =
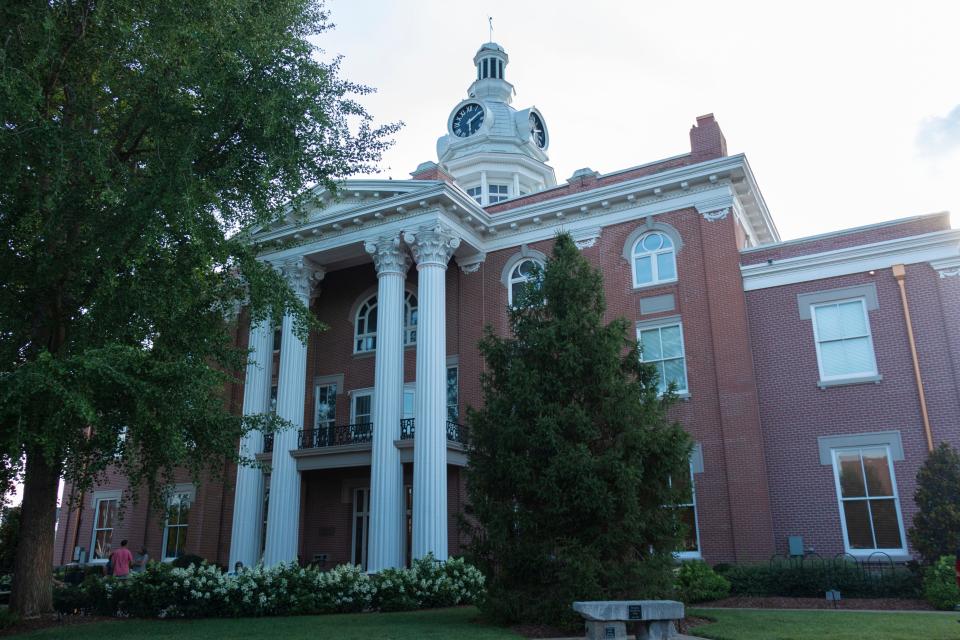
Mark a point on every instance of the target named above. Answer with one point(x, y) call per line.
point(936, 527)
point(137, 139)
point(571, 455)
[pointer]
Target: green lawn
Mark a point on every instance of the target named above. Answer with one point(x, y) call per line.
point(833, 625)
point(461, 624)
point(439, 623)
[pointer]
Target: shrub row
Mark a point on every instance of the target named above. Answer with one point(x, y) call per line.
point(813, 579)
point(697, 582)
point(940, 584)
point(204, 591)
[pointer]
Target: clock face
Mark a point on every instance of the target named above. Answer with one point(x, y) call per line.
point(537, 131)
point(467, 120)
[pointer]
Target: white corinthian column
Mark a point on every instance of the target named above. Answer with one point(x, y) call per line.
point(248, 498)
point(431, 247)
point(386, 471)
point(283, 515)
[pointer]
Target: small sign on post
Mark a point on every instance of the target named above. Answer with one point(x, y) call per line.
point(833, 596)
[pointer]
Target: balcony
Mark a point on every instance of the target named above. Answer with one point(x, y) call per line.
point(348, 445)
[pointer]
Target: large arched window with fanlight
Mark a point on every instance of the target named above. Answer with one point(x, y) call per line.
point(522, 273)
point(654, 259)
point(365, 323)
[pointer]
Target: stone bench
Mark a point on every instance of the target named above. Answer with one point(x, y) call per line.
point(651, 619)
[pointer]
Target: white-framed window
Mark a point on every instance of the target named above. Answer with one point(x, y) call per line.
point(361, 522)
point(326, 405)
point(365, 324)
point(476, 193)
point(362, 407)
point(870, 514)
point(178, 520)
point(841, 331)
point(453, 393)
point(105, 510)
point(409, 319)
point(686, 507)
point(662, 346)
point(521, 274)
point(497, 193)
point(654, 259)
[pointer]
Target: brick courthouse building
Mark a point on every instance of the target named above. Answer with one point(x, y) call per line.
point(814, 374)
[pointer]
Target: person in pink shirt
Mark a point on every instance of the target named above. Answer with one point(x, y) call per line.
point(121, 560)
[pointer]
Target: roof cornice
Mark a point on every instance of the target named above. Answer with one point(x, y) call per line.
point(939, 247)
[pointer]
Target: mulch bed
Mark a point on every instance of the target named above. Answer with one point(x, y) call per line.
point(48, 621)
point(882, 604)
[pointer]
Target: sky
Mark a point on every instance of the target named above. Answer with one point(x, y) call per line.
point(848, 112)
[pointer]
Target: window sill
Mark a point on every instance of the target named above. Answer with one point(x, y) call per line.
point(654, 285)
point(824, 384)
point(881, 555)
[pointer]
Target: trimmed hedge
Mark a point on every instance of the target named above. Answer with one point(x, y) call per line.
point(812, 579)
point(204, 591)
point(697, 582)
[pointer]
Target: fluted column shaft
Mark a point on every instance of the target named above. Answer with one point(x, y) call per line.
point(385, 538)
point(248, 497)
point(283, 515)
point(431, 248)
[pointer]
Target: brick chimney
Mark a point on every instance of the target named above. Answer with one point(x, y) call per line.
point(431, 171)
point(706, 139)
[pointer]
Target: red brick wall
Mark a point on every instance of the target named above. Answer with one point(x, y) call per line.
point(795, 411)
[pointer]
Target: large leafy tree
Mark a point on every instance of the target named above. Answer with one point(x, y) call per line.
point(138, 140)
point(571, 455)
point(936, 526)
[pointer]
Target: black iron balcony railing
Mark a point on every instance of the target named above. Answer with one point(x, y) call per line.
point(455, 432)
point(338, 435)
point(335, 435)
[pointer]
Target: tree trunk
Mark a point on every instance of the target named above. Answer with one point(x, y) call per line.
point(32, 588)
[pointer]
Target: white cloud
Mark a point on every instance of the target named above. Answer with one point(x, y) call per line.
point(939, 135)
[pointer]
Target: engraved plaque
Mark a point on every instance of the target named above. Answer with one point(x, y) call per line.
point(635, 612)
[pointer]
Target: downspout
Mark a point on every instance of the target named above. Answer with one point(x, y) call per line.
point(900, 273)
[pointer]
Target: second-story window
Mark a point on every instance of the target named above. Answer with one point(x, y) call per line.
point(654, 259)
point(476, 193)
point(520, 276)
point(841, 331)
point(365, 324)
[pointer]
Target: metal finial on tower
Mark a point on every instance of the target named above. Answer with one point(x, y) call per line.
point(490, 20)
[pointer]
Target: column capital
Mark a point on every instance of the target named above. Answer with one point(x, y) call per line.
point(432, 245)
point(302, 275)
point(389, 256)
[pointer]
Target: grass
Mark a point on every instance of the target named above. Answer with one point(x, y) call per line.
point(459, 623)
point(736, 624)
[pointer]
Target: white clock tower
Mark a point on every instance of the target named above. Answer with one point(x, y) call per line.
point(492, 150)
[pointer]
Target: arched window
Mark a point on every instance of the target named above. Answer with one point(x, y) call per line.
point(410, 319)
point(365, 329)
point(365, 325)
point(654, 259)
point(521, 274)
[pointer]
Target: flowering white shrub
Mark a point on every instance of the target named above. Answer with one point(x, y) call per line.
point(286, 589)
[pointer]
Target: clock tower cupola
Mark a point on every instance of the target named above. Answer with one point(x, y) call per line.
point(492, 150)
